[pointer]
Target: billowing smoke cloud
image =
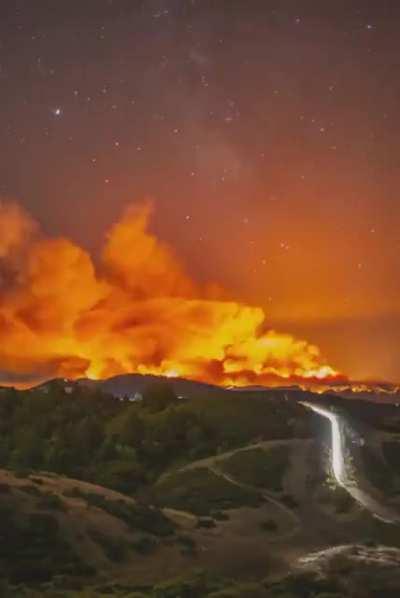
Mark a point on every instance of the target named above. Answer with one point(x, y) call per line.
point(16, 228)
point(139, 312)
point(141, 264)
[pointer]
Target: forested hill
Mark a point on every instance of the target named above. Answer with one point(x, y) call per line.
point(82, 432)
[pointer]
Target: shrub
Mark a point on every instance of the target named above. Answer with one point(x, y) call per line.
point(188, 545)
point(51, 501)
point(185, 540)
point(377, 471)
point(202, 492)
point(248, 590)
point(144, 544)
point(137, 516)
point(339, 563)
point(30, 489)
point(305, 584)
point(269, 525)
point(206, 522)
point(158, 396)
point(220, 516)
point(289, 501)
point(33, 548)
point(198, 585)
point(126, 476)
point(22, 473)
point(115, 550)
point(74, 493)
point(258, 467)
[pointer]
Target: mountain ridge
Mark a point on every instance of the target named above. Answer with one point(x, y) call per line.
point(126, 385)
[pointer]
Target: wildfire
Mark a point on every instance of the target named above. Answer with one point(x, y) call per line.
point(137, 311)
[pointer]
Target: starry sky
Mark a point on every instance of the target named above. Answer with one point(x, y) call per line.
point(266, 133)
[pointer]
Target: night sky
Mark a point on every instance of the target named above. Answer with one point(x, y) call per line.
point(266, 134)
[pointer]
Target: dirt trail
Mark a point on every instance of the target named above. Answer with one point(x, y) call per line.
point(267, 497)
point(262, 444)
point(296, 478)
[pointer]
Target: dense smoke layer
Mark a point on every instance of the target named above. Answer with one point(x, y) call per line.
point(137, 311)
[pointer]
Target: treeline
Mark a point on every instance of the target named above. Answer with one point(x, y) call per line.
point(126, 446)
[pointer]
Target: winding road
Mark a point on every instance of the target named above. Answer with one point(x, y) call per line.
point(342, 470)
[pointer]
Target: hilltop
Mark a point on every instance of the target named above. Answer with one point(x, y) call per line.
point(127, 385)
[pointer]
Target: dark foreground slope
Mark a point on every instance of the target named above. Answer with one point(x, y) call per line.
point(63, 537)
point(212, 496)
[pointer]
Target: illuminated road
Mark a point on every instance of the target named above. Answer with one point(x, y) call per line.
point(341, 468)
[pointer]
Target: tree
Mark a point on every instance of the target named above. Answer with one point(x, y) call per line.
point(132, 429)
point(28, 450)
point(158, 396)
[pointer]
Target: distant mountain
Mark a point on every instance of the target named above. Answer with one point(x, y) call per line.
point(370, 391)
point(127, 385)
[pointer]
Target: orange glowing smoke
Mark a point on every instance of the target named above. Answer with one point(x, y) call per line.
point(138, 311)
